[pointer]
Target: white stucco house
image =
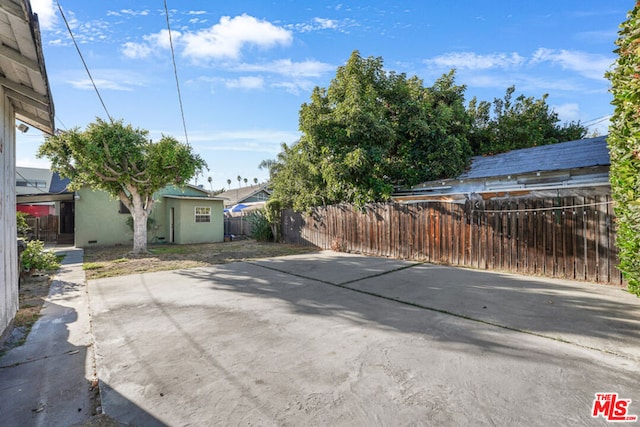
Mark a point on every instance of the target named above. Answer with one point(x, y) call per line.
point(25, 96)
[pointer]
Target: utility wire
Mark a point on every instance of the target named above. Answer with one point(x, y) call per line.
point(64, 18)
point(175, 72)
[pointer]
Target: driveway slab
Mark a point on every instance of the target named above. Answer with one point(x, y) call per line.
point(275, 343)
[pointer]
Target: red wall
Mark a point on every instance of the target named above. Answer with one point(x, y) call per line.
point(37, 210)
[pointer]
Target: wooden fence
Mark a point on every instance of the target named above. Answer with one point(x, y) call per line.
point(238, 226)
point(44, 228)
point(569, 237)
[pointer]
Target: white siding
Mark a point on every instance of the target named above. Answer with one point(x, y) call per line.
point(8, 256)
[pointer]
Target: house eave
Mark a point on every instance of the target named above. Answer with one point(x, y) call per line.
point(22, 69)
point(203, 198)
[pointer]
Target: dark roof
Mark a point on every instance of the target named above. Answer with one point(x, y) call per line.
point(565, 155)
point(58, 184)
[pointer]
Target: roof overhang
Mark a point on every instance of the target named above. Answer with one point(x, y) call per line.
point(42, 198)
point(22, 69)
point(204, 199)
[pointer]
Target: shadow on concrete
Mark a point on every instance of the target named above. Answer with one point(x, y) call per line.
point(592, 316)
point(43, 381)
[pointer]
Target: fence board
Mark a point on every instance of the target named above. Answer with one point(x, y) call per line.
point(570, 237)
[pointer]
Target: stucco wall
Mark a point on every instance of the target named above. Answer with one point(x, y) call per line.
point(98, 222)
point(187, 230)
point(9, 258)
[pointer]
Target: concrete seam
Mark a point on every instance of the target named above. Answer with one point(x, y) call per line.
point(438, 310)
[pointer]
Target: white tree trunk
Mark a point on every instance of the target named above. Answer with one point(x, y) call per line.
point(140, 210)
point(139, 229)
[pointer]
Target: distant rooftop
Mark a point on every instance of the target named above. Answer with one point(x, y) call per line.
point(565, 155)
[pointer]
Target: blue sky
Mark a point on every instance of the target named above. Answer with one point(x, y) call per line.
point(246, 67)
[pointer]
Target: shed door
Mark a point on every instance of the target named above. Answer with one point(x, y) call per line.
point(172, 237)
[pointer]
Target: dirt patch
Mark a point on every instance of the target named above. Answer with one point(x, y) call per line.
point(33, 291)
point(115, 261)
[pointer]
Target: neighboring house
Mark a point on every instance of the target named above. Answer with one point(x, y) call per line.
point(44, 196)
point(579, 168)
point(251, 197)
point(180, 215)
point(24, 95)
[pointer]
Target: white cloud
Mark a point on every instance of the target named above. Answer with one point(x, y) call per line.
point(326, 23)
point(109, 79)
point(296, 86)
point(567, 112)
point(319, 24)
point(245, 82)
point(227, 38)
point(260, 140)
point(136, 50)
point(592, 66)
point(474, 61)
point(46, 13)
point(309, 68)
point(128, 12)
point(132, 12)
point(102, 84)
point(152, 42)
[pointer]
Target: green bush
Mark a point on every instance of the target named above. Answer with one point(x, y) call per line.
point(21, 222)
point(36, 258)
point(261, 228)
point(624, 147)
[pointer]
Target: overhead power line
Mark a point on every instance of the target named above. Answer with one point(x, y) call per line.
point(175, 73)
point(64, 18)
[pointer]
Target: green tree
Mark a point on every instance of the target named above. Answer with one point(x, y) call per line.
point(508, 124)
point(624, 147)
point(122, 161)
point(369, 131)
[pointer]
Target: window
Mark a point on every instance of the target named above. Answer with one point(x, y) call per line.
point(36, 183)
point(203, 214)
point(123, 209)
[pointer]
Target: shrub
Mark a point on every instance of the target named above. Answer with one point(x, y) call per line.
point(624, 147)
point(273, 212)
point(261, 229)
point(36, 258)
point(21, 222)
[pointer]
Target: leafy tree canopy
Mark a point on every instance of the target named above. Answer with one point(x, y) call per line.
point(122, 161)
point(508, 124)
point(369, 131)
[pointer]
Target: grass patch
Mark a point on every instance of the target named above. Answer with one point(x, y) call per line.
point(92, 265)
point(110, 261)
point(170, 249)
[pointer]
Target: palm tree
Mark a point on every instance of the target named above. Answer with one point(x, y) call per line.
point(245, 181)
point(255, 180)
point(267, 164)
point(239, 180)
point(210, 183)
point(229, 183)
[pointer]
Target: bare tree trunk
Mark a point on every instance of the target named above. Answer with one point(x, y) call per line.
point(140, 213)
point(139, 231)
